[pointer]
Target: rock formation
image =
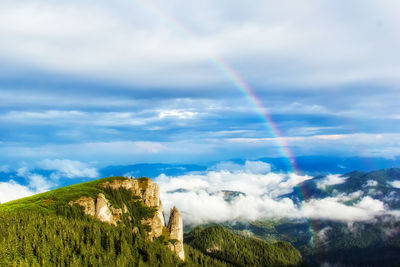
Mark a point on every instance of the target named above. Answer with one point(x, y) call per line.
point(87, 203)
point(149, 193)
point(175, 227)
point(105, 212)
point(144, 188)
point(101, 209)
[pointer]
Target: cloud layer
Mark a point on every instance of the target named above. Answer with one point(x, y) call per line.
point(203, 198)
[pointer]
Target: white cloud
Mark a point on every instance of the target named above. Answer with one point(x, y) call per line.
point(36, 182)
point(201, 199)
point(332, 209)
point(396, 184)
point(23, 171)
point(12, 190)
point(371, 183)
point(117, 151)
point(384, 145)
point(180, 114)
point(39, 183)
point(132, 41)
point(331, 179)
point(368, 203)
point(322, 234)
point(68, 168)
point(62, 117)
point(256, 167)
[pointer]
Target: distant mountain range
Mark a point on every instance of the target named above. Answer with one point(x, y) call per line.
point(374, 242)
point(376, 184)
point(312, 165)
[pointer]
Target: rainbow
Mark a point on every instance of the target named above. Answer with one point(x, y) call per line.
point(251, 97)
point(239, 83)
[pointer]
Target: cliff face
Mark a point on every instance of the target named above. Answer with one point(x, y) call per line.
point(101, 209)
point(149, 192)
point(175, 227)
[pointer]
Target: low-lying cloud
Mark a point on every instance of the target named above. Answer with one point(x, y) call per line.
point(11, 190)
point(331, 179)
point(396, 184)
point(203, 197)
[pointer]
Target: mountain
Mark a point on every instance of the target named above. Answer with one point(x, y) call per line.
point(114, 221)
point(315, 165)
point(377, 184)
point(374, 242)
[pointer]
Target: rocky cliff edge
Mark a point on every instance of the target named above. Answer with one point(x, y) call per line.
point(147, 191)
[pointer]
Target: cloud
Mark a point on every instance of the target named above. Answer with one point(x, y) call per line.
point(322, 234)
point(256, 167)
point(201, 198)
point(332, 209)
point(331, 180)
point(141, 41)
point(129, 75)
point(363, 144)
point(180, 114)
point(37, 182)
point(396, 184)
point(12, 190)
point(371, 183)
point(71, 117)
point(68, 168)
point(118, 151)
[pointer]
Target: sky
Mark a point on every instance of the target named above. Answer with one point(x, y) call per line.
point(90, 83)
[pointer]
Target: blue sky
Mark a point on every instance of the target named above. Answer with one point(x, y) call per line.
point(120, 82)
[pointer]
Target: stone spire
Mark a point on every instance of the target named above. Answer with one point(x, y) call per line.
point(175, 227)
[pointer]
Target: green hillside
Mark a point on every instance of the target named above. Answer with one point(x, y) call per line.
point(54, 201)
point(240, 251)
point(45, 230)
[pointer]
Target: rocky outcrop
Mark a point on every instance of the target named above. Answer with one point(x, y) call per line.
point(149, 192)
point(157, 223)
point(105, 212)
point(175, 227)
point(101, 209)
point(144, 188)
point(87, 203)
